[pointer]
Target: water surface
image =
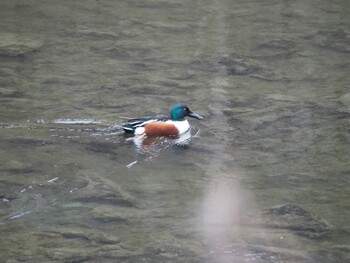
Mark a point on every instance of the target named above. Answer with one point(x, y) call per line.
point(271, 79)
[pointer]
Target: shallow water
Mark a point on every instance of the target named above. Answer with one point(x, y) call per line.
point(271, 79)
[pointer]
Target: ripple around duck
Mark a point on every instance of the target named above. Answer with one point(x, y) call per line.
point(151, 148)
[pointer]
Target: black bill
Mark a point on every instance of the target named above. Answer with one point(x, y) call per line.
point(195, 115)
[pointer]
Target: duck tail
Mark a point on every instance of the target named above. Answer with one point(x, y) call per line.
point(128, 128)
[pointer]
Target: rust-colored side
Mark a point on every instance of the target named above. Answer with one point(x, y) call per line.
point(159, 128)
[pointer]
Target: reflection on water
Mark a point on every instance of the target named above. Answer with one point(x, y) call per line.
point(221, 213)
point(265, 180)
point(152, 147)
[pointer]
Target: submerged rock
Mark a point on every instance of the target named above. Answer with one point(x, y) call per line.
point(277, 44)
point(84, 235)
point(337, 40)
point(338, 253)
point(280, 254)
point(239, 65)
point(276, 48)
point(98, 190)
point(108, 214)
point(10, 93)
point(113, 253)
point(297, 219)
point(99, 35)
point(14, 45)
point(345, 102)
point(238, 252)
point(103, 147)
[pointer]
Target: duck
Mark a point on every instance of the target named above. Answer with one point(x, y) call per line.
point(157, 126)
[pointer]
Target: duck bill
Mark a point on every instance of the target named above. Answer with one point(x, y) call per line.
point(195, 115)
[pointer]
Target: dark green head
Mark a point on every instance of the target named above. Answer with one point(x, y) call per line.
point(179, 111)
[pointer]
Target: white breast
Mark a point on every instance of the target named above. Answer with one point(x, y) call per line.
point(182, 126)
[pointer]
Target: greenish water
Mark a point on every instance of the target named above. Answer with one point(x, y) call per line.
point(272, 80)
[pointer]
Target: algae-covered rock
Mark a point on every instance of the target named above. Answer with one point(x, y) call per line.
point(110, 214)
point(15, 166)
point(294, 218)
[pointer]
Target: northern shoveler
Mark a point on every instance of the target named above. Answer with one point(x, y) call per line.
point(174, 125)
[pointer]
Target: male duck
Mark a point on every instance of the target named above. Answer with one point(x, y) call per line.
point(162, 125)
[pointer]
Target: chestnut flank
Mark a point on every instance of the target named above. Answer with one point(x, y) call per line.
point(159, 128)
